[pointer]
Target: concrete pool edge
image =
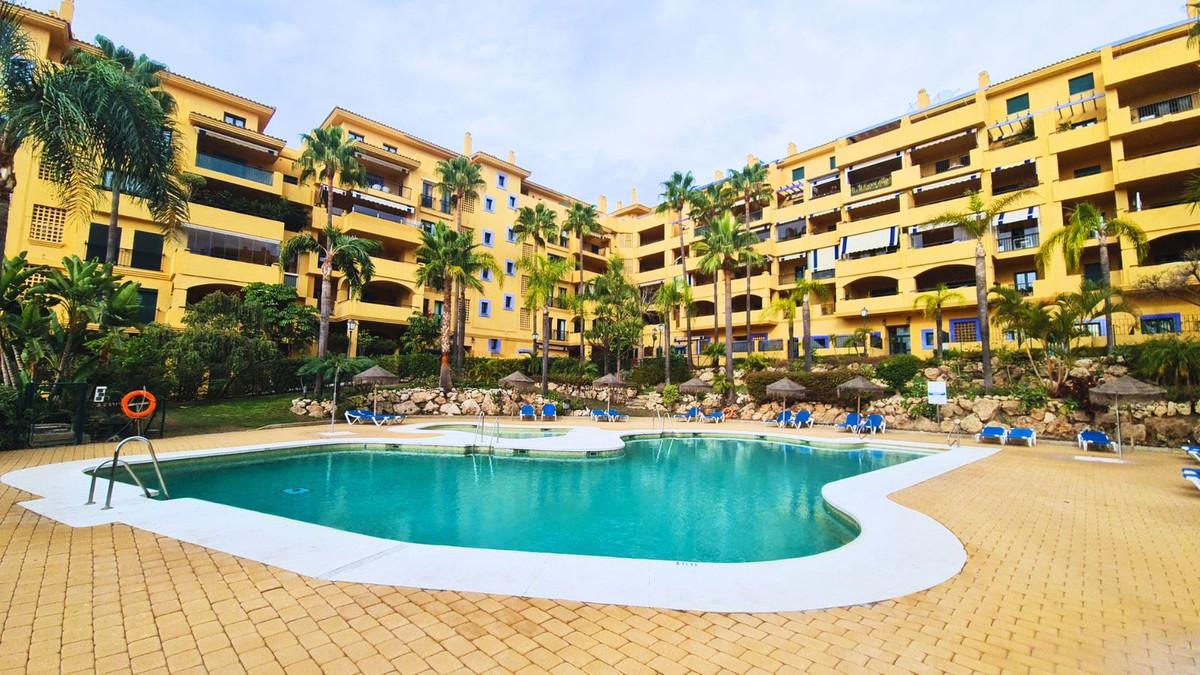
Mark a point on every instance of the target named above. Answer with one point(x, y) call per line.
point(898, 551)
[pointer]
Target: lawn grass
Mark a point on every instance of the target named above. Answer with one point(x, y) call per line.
point(230, 415)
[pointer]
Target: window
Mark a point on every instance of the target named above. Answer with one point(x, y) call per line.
point(149, 304)
point(47, 224)
point(236, 121)
point(485, 274)
point(291, 180)
point(1091, 272)
point(485, 308)
point(493, 345)
point(510, 268)
point(510, 302)
point(427, 225)
point(820, 341)
point(927, 339)
point(512, 202)
point(1153, 324)
point(1087, 171)
point(489, 204)
point(216, 244)
point(1018, 104)
point(1094, 328)
point(355, 136)
point(560, 329)
point(833, 162)
point(375, 182)
point(1023, 282)
point(798, 173)
point(1078, 85)
point(964, 330)
point(511, 236)
point(437, 308)
point(502, 181)
point(389, 148)
point(489, 239)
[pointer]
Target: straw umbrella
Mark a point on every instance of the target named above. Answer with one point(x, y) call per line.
point(610, 381)
point(1129, 388)
point(859, 386)
point(375, 375)
point(695, 388)
point(516, 380)
point(786, 389)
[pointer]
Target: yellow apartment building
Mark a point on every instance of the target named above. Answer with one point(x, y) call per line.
point(1118, 126)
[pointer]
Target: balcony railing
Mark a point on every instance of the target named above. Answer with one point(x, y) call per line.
point(822, 274)
point(876, 184)
point(788, 233)
point(128, 257)
point(382, 215)
point(232, 168)
point(392, 189)
point(428, 201)
point(1171, 106)
point(1016, 243)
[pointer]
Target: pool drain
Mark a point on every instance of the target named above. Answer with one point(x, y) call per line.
point(295, 491)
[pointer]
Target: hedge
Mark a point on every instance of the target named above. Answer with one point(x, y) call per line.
point(649, 373)
point(822, 387)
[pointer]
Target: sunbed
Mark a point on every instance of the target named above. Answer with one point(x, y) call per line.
point(991, 433)
point(1094, 437)
point(803, 419)
point(875, 424)
point(526, 411)
point(1025, 434)
point(852, 422)
point(549, 412)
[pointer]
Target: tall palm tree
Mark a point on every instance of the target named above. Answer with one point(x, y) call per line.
point(785, 305)
point(724, 245)
point(808, 290)
point(461, 180)
point(582, 220)
point(328, 156)
point(976, 221)
point(1013, 311)
point(677, 192)
point(705, 205)
point(134, 125)
point(437, 258)
point(751, 186)
point(544, 275)
point(1087, 223)
point(537, 222)
point(668, 299)
point(616, 303)
point(932, 305)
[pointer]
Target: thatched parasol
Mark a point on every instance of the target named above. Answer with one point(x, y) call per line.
point(375, 375)
point(516, 380)
point(1128, 387)
point(786, 389)
point(695, 386)
point(859, 386)
point(610, 381)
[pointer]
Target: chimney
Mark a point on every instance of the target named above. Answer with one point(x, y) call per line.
point(467, 144)
point(512, 157)
point(751, 160)
point(984, 79)
point(633, 199)
point(923, 99)
point(620, 205)
point(718, 174)
point(602, 204)
point(66, 10)
point(791, 149)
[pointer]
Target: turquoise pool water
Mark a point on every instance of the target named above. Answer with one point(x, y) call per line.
point(687, 499)
point(505, 432)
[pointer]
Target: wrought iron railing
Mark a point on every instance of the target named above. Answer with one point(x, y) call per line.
point(1171, 106)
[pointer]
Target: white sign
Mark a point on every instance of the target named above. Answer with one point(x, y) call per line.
point(99, 395)
point(937, 392)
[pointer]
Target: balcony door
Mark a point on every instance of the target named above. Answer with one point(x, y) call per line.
point(899, 340)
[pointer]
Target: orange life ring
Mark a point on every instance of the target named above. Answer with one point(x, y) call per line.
point(147, 408)
point(729, 411)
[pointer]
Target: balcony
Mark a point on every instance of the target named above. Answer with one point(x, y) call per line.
point(1079, 137)
point(1014, 242)
point(1159, 164)
point(1165, 108)
point(1083, 187)
point(1149, 60)
point(432, 202)
point(236, 169)
point(870, 185)
point(370, 311)
point(150, 261)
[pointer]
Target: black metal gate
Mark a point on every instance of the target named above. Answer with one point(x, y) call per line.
point(79, 412)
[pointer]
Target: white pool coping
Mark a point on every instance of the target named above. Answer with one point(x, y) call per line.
point(898, 551)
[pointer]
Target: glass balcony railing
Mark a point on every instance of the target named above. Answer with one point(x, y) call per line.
point(429, 201)
point(1016, 242)
point(236, 169)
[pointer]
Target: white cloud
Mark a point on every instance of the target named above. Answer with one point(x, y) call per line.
point(599, 97)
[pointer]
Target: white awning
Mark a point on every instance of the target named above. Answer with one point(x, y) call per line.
point(382, 202)
point(874, 162)
point(870, 241)
point(237, 141)
point(364, 157)
point(826, 212)
point(926, 227)
point(948, 182)
point(794, 256)
point(877, 200)
point(827, 178)
point(240, 235)
point(1012, 166)
point(943, 139)
point(1018, 216)
point(822, 259)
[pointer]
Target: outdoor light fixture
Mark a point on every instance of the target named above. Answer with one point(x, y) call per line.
point(351, 325)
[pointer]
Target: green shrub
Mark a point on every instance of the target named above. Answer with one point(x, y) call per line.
point(899, 370)
point(917, 391)
point(649, 372)
point(822, 387)
point(670, 396)
point(412, 366)
point(754, 362)
point(1031, 395)
point(12, 426)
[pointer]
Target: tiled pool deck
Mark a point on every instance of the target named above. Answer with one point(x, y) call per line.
point(1073, 566)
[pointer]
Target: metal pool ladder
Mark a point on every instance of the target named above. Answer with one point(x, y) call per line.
point(116, 461)
point(952, 440)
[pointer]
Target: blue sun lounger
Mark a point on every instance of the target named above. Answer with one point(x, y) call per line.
point(526, 411)
point(851, 423)
point(616, 416)
point(1023, 434)
point(991, 433)
point(1192, 474)
point(549, 412)
point(782, 420)
point(379, 419)
point(691, 415)
point(599, 415)
point(1192, 450)
point(716, 416)
point(874, 424)
point(1092, 437)
point(803, 419)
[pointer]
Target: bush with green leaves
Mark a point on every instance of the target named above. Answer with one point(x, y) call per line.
point(899, 370)
point(916, 392)
point(671, 396)
point(12, 425)
point(821, 387)
point(1170, 360)
point(649, 373)
point(755, 362)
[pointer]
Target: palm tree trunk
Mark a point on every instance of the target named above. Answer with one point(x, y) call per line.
point(444, 380)
point(985, 333)
point(806, 324)
point(1110, 338)
point(579, 300)
point(7, 374)
point(729, 332)
point(716, 304)
point(667, 349)
point(326, 307)
point(114, 232)
point(684, 276)
point(749, 340)
point(791, 356)
point(546, 348)
point(460, 310)
point(937, 333)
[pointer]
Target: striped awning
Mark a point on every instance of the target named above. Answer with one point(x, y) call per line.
point(822, 259)
point(826, 212)
point(943, 139)
point(948, 182)
point(874, 162)
point(237, 141)
point(1012, 166)
point(827, 178)
point(382, 202)
point(1018, 216)
point(888, 237)
point(877, 200)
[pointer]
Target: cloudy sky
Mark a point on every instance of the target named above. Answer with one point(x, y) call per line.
point(598, 97)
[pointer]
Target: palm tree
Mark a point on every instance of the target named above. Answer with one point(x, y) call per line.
point(535, 222)
point(670, 297)
point(544, 275)
point(1086, 222)
point(807, 290)
point(582, 220)
point(461, 181)
point(785, 305)
point(1012, 311)
point(677, 192)
point(329, 158)
point(706, 204)
point(437, 262)
point(16, 276)
point(337, 252)
point(1191, 187)
point(723, 246)
point(976, 221)
point(932, 304)
point(751, 186)
point(616, 304)
point(1194, 32)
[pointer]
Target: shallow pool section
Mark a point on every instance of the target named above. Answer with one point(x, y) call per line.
point(696, 499)
point(502, 432)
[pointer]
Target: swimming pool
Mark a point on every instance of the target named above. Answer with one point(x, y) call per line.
point(693, 499)
point(502, 432)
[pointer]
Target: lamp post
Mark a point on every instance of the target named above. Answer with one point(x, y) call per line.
point(654, 339)
point(352, 331)
point(535, 343)
point(866, 332)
